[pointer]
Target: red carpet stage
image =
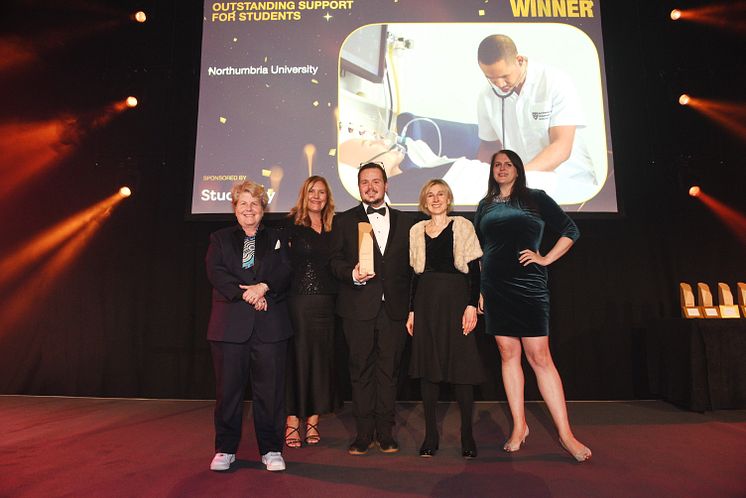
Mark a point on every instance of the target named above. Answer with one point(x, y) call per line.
point(130, 447)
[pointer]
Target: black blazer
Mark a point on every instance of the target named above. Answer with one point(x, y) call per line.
point(393, 272)
point(232, 319)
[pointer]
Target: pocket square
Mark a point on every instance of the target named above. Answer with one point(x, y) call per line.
point(277, 246)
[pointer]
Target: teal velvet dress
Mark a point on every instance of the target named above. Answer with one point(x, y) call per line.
point(516, 297)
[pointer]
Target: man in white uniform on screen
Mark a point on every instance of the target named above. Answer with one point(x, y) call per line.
point(534, 110)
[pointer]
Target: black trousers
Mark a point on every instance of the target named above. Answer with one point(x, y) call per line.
point(235, 364)
point(375, 350)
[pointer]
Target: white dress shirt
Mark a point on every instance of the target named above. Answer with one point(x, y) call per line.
point(381, 226)
point(547, 99)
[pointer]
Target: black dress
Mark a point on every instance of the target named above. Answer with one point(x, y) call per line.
point(440, 294)
point(516, 297)
point(311, 385)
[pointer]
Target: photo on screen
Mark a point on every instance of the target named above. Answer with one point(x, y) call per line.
point(421, 121)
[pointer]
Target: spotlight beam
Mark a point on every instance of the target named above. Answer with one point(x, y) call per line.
point(16, 52)
point(43, 244)
point(29, 148)
point(734, 220)
point(39, 285)
point(729, 115)
point(112, 110)
point(41, 281)
point(727, 16)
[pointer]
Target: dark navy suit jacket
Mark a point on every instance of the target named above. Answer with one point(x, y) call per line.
point(232, 319)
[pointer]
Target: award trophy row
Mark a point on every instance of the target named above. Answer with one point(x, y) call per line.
point(705, 308)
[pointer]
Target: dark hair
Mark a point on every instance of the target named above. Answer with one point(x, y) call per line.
point(496, 48)
point(520, 194)
point(378, 166)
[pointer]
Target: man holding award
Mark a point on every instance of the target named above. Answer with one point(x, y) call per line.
point(370, 257)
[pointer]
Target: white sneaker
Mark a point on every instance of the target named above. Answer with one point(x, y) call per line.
point(222, 461)
point(273, 460)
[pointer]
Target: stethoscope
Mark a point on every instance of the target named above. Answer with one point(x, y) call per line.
point(502, 97)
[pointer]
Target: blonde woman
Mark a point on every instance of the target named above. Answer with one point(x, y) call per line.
point(444, 253)
point(310, 389)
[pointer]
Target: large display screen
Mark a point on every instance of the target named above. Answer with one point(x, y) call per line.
point(290, 89)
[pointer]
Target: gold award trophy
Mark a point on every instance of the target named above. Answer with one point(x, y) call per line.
point(688, 309)
point(725, 302)
point(365, 247)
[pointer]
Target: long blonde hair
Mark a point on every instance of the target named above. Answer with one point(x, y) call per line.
point(299, 212)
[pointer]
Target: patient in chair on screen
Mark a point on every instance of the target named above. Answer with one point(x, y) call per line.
point(428, 148)
point(409, 163)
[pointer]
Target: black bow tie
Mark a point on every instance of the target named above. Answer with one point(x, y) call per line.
point(381, 210)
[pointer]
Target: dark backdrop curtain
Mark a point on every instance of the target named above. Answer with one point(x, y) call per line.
point(128, 316)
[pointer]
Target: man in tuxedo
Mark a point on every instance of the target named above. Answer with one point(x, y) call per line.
point(373, 307)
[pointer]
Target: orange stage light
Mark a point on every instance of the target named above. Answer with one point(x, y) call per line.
point(140, 16)
point(684, 99)
point(125, 191)
point(724, 15)
point(730, 115)
point(112, 110)
point(695, 191)
point(62, 245)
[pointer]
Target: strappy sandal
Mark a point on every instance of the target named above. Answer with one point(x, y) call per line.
point(312, 438)
point(290, 440)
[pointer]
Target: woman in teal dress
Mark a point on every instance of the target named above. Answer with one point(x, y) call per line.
point(514, 297)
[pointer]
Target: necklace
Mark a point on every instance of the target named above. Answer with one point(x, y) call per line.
point(499, 198)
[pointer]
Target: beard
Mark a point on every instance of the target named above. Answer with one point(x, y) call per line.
point(373, 199)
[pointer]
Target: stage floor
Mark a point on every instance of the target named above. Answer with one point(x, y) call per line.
point(52, 446)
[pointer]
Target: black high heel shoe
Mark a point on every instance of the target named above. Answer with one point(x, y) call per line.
point(468, 448)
